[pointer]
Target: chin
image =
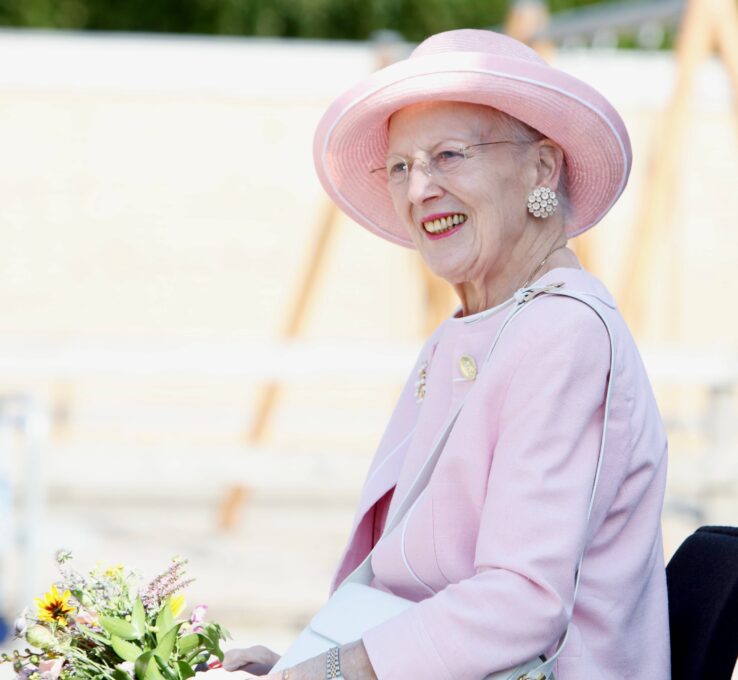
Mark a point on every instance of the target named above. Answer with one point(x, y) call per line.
point(453, 262)
point(453, 276)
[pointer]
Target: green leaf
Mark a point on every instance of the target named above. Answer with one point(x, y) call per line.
point(142, 664)
point(125, 650)
point(93, 635)
point(189, 642)
point(167, 672)
point(202, 657)
point(146, 669)
point(166, 646)
point(211, 638)
point(164, 622)
point(115, 626)
point(217, 651)
point(118, 674)
point(152, 672)
point(138, 618)
point(185, 670)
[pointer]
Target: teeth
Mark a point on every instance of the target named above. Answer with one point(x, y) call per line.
point(444, 223)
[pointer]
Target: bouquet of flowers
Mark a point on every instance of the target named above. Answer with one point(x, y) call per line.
point(108, 625)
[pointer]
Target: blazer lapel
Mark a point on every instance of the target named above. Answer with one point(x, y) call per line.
point(382, 477)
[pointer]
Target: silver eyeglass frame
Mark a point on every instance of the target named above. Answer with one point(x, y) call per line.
point(426, 164)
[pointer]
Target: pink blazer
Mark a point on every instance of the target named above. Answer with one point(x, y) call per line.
point(490, 548)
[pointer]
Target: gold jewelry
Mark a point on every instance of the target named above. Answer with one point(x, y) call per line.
point(420, 382)
point(532, 277)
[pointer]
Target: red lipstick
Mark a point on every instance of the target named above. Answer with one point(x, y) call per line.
point(437, 216)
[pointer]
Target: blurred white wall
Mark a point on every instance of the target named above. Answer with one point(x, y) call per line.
point(159, 185)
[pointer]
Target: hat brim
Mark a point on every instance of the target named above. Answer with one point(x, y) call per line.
point(351, 138)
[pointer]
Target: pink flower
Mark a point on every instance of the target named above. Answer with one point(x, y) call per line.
point(86, 618)
point(50, 668)
point(197, 617)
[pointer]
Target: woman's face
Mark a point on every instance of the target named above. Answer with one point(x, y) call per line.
point(485, 195)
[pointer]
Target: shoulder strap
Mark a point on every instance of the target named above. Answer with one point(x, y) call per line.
point(545, 669)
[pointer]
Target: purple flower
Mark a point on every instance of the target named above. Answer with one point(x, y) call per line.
point(197, 617)
point(198, 613)
point(165, 584)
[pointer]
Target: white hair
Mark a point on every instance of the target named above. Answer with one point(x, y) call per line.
point(519, 131)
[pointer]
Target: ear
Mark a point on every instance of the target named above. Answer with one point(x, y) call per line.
point(550, 162)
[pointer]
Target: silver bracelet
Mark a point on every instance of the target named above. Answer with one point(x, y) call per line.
point(333, 664)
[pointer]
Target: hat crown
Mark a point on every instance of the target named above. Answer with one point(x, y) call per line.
point(476, 40)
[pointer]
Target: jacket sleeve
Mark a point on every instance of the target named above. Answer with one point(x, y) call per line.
point(533, 522)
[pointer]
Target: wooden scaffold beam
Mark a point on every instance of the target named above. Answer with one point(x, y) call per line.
point(707, 26)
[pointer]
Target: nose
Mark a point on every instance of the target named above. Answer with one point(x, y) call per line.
point(421, 185)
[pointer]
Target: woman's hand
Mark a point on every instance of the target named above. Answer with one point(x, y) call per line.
point(355, 665)
point(257, 660)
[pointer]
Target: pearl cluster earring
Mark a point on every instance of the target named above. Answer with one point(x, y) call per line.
point(542, 202)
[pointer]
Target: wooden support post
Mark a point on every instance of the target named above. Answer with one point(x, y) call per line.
point(725, 24)
point(296, 317)
point(706, 24)
point(525, 21)
point(437, 299)
point(269, 396)
point(235, 497)
point(387, 50)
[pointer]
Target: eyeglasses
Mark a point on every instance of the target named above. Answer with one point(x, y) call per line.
point(439, 165)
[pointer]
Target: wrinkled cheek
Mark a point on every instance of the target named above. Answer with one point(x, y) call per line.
point(416, 234)
point(400, 204)
point(402, 210)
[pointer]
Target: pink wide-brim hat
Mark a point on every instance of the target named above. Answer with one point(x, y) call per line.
point(479, 67)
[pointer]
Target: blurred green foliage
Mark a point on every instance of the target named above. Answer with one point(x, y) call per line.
point(333, 19)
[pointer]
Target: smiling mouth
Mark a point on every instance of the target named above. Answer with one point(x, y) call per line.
point(444, 224)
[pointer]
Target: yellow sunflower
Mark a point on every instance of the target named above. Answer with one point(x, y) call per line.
point(54, 608)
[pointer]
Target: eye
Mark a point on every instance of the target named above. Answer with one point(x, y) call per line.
point(396, 167)
point(448, 159)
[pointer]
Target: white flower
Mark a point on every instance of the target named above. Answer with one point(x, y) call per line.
point(128, 667)
point(20, 624)
point(63, 556)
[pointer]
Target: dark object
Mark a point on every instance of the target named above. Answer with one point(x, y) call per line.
point(702, 580)
point(4, 630)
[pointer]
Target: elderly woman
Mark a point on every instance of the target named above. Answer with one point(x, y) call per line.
point(487, 160)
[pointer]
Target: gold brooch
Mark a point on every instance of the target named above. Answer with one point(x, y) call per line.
point(468, 367)
point(420, 382)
